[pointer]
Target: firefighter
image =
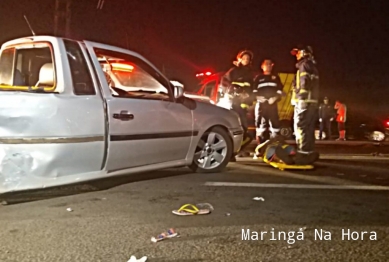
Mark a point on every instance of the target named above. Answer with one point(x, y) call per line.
point(341, 119)
point(326, 116)
point(305, 99)
point(268, 91)
point(238, 83)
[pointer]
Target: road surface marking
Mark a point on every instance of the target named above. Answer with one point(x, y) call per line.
point(299, 186)
point(271, 171)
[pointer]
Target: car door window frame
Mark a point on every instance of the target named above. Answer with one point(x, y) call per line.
point(144, 66)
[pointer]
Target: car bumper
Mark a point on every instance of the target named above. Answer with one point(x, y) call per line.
point(237, 138)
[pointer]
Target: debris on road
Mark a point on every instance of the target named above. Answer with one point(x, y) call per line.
point(228, 214)
point(69, 209)
point(169, 234)
point(258, 199)
point(134, 259)
point(190, 210)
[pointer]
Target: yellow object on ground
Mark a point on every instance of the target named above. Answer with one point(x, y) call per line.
point(190, 210)
point(283, 166)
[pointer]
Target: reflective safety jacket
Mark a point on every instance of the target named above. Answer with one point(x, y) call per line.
point(342, 112)
point(267, 86)
point(306, 83)
point(239, 85)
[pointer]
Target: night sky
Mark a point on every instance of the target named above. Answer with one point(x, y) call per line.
point(350, 39)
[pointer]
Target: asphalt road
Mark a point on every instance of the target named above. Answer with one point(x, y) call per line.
point(114, 219)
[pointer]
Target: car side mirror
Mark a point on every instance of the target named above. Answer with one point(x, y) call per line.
point(178, 92)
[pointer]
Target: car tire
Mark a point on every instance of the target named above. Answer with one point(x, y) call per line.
point(213, 151)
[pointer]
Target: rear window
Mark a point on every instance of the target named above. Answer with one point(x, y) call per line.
point(27, 68)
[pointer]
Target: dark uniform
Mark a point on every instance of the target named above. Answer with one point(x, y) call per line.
point(305, 99)
point(266, 115)
point(326, 114)
point(239, 81)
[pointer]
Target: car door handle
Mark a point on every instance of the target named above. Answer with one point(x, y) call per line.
point(124, 116)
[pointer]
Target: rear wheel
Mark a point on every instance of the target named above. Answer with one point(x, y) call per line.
point(213, 151)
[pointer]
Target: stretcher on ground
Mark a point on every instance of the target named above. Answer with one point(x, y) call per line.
point(283, 166)
point(280, 165)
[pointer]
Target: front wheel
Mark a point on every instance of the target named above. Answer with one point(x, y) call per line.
point(213, 151)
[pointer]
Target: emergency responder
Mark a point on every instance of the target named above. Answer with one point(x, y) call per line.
point(237, 83)
point(326, 116)
point(268, 91)
point(305, 98)
point(341, 119)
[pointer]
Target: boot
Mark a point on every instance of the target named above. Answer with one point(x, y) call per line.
point(306, 159)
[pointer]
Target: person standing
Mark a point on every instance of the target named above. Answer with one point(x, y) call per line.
point(341, 119)
point(268, 91)
point(238, 83)
point(326, 116)
point(305, 99)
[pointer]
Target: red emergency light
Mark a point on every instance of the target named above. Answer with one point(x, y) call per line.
point(123, 67)
point(387, 123)
point(208, 73)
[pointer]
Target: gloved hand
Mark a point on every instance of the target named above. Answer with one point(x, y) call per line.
point(261, 99)
point(320, 120)
point(341, 119)
point(272, 100)
point(332, 119)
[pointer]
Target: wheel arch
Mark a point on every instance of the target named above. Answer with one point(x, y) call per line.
point(196, 139)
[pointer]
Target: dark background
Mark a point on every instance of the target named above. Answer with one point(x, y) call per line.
point(350, 39)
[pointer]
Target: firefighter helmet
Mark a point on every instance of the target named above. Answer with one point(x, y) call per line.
point(245, 52)
point(307, 50)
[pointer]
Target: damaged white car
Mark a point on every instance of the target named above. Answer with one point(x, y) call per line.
point(64, 120)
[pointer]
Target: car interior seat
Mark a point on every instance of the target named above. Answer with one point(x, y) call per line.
point(46, 75)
